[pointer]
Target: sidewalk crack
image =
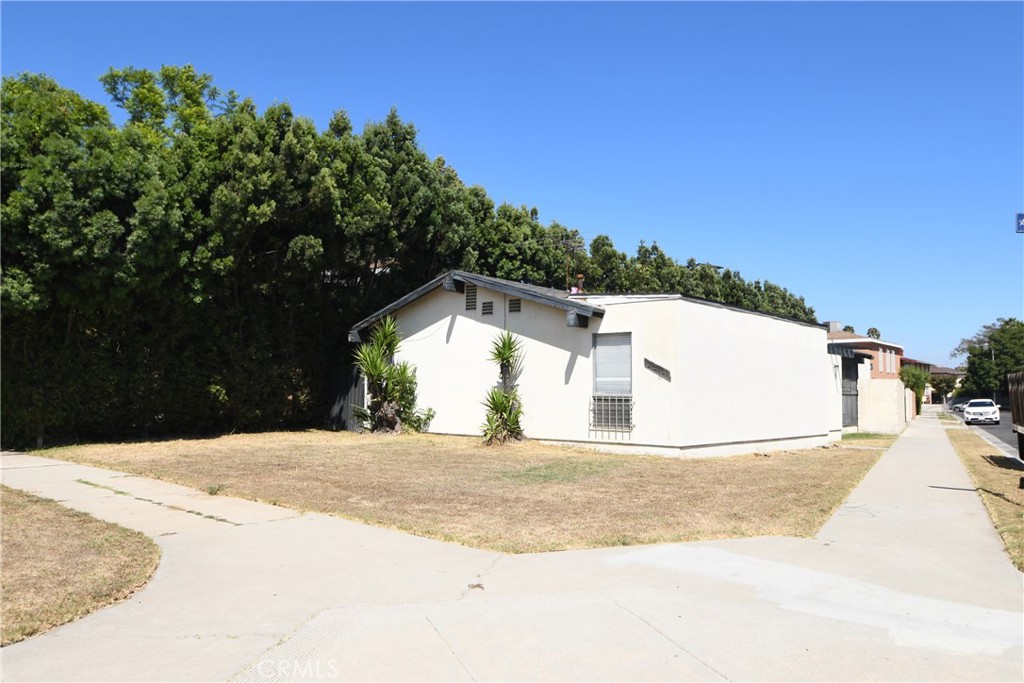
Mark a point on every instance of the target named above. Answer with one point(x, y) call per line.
point(479, 585)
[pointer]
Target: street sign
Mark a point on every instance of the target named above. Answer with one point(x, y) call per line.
point(1020, 222)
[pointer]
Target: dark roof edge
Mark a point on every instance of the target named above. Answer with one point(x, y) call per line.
point(496, 284)
point(514, 288)
point(846, 351)
point(353, 333)
point(717, 304)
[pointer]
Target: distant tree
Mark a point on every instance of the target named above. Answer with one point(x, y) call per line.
point(874, 333)
point(608, 266)
point(996, 351)
point(848, 328)
point(943, 384)
point(916, 379)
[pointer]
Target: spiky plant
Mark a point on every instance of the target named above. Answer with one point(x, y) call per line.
point(504, 409)
point(391, 387)
point(506, 351)
point(504, 412)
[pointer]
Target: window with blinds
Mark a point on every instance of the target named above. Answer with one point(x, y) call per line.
point(612, 404)
point(613, 364)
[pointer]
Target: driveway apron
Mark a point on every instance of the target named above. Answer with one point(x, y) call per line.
point(907, 581)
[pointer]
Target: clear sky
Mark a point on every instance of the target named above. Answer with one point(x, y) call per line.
point(867, 156)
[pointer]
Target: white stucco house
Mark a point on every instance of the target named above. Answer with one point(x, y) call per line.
point(662, 373)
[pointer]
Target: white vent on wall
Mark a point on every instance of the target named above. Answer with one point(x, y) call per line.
point(487, 308)
point(470, 297)
point(515, 305)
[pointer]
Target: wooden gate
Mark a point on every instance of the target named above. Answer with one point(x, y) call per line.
point(850, 392)
point(349, 392)
point(1016, 382)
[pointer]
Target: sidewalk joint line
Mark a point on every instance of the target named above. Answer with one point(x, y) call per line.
point(450, 649)
point(669, 639)
point(157, 502)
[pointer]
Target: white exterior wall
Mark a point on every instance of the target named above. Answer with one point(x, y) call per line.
point(881, 405)
point(750, 382)
point(909, 404)
point(739, 382)
point(834, 395)
point(450, 347)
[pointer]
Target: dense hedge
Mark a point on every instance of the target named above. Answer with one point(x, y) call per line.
point(197, 269)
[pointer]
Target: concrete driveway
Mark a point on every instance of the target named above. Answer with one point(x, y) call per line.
point(908, 581)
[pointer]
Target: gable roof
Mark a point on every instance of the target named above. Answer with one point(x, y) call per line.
point(540, 295)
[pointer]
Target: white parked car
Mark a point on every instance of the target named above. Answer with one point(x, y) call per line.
point(981, 410)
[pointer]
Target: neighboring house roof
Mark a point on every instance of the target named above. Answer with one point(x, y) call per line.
point(934, 369)
point(942, 370)
point(540, 295)
point(854, 339)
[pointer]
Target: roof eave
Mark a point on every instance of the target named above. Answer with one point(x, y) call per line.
point(579, 308)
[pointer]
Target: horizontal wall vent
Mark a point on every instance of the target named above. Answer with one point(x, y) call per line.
point(470, 297)
point(515, 305)
point(487, 308)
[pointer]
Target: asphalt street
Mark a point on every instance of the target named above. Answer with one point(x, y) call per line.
point(1002, 431)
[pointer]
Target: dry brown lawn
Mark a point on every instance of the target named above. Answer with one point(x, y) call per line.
point(525, 497)
point(997, 478)
point(60, 564)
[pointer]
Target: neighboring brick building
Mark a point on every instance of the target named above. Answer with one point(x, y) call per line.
point(886, 357)
point(874, 398)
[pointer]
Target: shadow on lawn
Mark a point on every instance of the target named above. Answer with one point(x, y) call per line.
point(1005, 462)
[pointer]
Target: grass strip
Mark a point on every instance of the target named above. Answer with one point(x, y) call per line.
point(997, 478)
point(60, 564)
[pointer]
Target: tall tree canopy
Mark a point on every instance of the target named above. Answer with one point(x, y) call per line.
point(197, 268)
point(996, 351)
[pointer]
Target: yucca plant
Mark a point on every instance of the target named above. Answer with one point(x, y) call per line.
point(506, 351)
point(504, 409)
point(391, 387)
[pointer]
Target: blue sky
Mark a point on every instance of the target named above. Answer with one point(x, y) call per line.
point(867, 156)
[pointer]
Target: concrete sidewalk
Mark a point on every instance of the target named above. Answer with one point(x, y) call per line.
point(908, 581)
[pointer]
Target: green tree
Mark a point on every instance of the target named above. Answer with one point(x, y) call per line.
point(996, 351)
point(874, 333)
point(608, 266)
point(196, 269)
point(943, 384)
point(916, 379)
point(848, 328)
